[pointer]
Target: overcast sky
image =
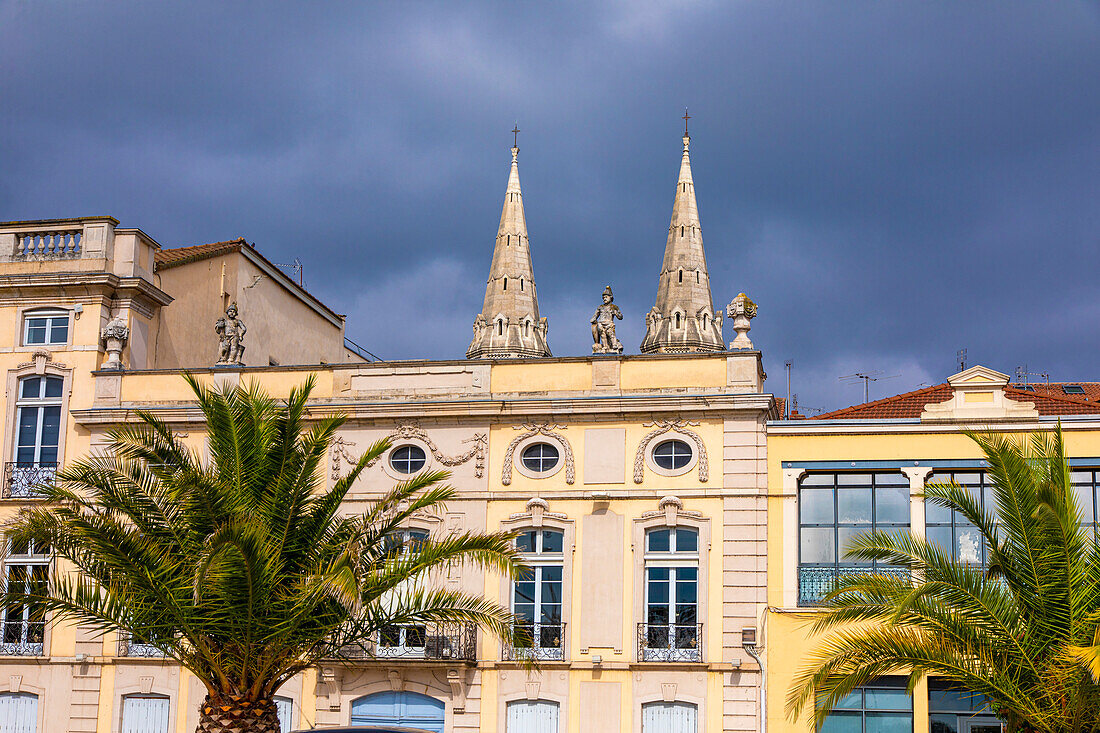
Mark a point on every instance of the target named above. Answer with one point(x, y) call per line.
point(889, 181)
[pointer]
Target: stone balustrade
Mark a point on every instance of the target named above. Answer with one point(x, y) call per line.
point(48, 243)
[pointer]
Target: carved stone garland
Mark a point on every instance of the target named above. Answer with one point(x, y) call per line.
point(660, 427)
point(404, 432)
point(530, 431)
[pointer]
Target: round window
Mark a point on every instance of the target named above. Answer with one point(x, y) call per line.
point(540, 457)
point(408, 459)
point(672, 455)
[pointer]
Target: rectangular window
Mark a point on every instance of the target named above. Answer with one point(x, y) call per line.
point(22, 625)
point(955, 710)
point(45, 329)
point(833, 509)
point(537, 597)
point(1086, 489)
point(949, 529)
point(882, 706)
point(671, 630)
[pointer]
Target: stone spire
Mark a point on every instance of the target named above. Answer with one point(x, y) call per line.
point(509, 326)
point(683, 319)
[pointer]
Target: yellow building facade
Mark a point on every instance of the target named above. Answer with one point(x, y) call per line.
point(636, 484)
point(865, 468)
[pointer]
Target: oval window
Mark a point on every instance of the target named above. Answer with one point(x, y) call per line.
point(672, 455)
point(540, 457)
point(408, 459)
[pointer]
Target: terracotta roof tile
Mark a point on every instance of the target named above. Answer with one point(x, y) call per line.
point(912, 404)
point(182, 255)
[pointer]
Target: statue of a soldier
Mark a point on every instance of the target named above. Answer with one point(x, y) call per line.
point(230, 330)
point(603, 326)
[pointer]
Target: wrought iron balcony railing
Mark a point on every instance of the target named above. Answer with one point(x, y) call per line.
point(21, 480)
point(22, 638)
point(455, 641)
point(670, 642)
point(537, 641)
point(814, 583)
point(128, 647)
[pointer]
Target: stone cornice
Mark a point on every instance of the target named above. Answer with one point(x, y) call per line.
point(714, 406)
point(89, 283)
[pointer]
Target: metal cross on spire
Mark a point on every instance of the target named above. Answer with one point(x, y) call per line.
point(685, 118)
point(515, 136)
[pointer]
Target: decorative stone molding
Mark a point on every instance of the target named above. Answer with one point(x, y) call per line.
point(671, 508)
point(537, 510)
point(40, 359)
point(741, 310)
point(660, 427)
point(979, 395)
point(456, 678)
point(531, 689)
point(411, 431)
point(531, 430)
point(114, 336)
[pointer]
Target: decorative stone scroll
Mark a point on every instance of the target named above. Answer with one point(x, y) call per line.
point(660, 427)
point(477, 452)
point(530, 431)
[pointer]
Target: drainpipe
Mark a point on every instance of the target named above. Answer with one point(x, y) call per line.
point(753, 652)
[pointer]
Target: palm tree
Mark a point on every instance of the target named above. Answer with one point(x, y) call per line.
point(241, 567)
point(1022, 631)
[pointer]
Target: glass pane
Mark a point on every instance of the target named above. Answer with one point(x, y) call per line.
point(686, 591)
point(815, 506)
point(940, 536)
point(879, 699)
point(53, 386)
point(817, 479)
point(59, 330)
point(657, 615)
point(658, 540)
point(892, 479)
point(687, 540)
point(943, 723)
point(946, 701)
point(968, 546)
point(525, 542)
point(36, 330)
point(552, 541)
point(854, 479)
point(934, 513)
point(852, 701)
point(892, 505)
point(842, 723)
point(1083, 496)
point(525, 592)
point(32, 387)
point(888, 722)
point(658, 592)
point(51, 425)
point(818, 544)
point(845, 537)
point(853, 506)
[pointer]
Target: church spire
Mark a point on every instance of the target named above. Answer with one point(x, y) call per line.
point(683, 319)
point(509, 325)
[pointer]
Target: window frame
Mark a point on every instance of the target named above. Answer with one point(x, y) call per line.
point(538, 561)
point(521, 447)
point(675, 561)
point(50, 313)
point(35, 559)
point(542, 444)
point(405, 442)
point(837, 566)
point(662, 439)
point(983, 488)
point(892, 684)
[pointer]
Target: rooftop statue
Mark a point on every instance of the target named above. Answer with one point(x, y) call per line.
point(230, 330)
point(603, 326)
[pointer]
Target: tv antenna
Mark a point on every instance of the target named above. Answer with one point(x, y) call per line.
point(787, 366)
point(1023, 375)
point(867, 378)
point(962, 359)
point(296, 267)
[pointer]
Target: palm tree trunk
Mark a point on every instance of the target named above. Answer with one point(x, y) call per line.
point(231, 714)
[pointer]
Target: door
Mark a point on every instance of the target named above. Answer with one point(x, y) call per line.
point(532, 716)
point(144, 714)
point(18, 712)
point(408, 709)
point(669, 717)
point(980, 725)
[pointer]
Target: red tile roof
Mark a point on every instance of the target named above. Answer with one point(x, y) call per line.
point(166, 258)
point(1054, 389)
point(912, 404)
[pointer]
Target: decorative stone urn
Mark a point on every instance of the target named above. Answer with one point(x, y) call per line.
point(741, 310)
point(115, 335)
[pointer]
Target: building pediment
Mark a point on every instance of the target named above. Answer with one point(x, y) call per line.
point(978, 395)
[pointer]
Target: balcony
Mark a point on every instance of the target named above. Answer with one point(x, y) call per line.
point(21, 480)
point(544, 642)
point(670, 642)
point(128, 647)
point(456, 641)
point(22, 638)
point(814, 583)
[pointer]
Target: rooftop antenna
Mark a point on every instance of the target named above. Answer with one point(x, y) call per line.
point(1023, 375)
point(867, 378)
point(685, 118)
point(297, 268)
point(962, 359)
point(787, 366)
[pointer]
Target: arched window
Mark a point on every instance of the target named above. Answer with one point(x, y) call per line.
point(532, 716)
point(678, 315)
point(18, 712)
point(669, 717)
point(521, 284)
point(680, 275)
point(409, 709)
point(145, 714)
point(705, 319)
point(505, 283)
point(537, 595)
point(500, 328)
point(672, 630)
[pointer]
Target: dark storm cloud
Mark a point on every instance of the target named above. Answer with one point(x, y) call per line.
point(889, 181)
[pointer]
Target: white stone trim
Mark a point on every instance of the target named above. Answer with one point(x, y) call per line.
point(670, 429)
point(548, 431)
point(523, 444)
